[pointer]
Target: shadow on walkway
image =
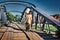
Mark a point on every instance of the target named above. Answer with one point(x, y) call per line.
point(43, 35)
point(46, 36)
point(20, 30)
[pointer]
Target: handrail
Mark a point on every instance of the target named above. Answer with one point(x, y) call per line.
point(51, 19)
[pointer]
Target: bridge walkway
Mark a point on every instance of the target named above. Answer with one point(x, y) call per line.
point(13, 32)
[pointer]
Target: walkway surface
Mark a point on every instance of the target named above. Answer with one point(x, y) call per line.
point(15, 33)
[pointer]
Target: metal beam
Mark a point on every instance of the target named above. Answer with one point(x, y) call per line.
point(15, 11)
point(17, 2)
point(51, 19)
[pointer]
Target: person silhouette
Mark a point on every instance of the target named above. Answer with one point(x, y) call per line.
point(28, 20)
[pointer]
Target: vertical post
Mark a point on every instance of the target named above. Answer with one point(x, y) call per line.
point(3, 14)
point(36, 21)
point(41, 21)
point(48, 28)
point(23, 13)
point(0, 16)
point(58, 31)
point(43, 24)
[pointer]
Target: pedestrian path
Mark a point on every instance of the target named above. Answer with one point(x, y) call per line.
point(13, 32)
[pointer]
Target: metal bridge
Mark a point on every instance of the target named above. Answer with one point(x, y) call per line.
point(14, 31)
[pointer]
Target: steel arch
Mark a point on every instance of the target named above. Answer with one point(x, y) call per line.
point(18, 2)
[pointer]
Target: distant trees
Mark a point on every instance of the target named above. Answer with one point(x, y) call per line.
point(17, 18)
point(11, 17)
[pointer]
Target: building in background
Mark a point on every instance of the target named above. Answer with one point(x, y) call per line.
point(56, 16)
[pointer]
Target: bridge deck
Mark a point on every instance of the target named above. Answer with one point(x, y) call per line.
point(14, 33)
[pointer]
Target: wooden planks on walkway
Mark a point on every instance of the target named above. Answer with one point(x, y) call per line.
point(14, 33)
point(11, 34)
point(19, 36)
point(2, 31)
point(34, 36)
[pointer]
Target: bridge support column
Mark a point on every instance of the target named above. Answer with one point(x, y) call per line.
point(41, 19)
point(58, 32)
point(36, 21)
point(43, 24)
point(3, 14)
point(48, 28)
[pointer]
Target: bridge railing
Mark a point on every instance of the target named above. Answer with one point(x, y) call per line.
point(49, 19)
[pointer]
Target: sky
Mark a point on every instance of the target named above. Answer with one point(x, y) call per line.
point(49, 7)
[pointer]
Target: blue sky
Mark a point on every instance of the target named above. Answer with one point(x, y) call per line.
point(49, 7)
